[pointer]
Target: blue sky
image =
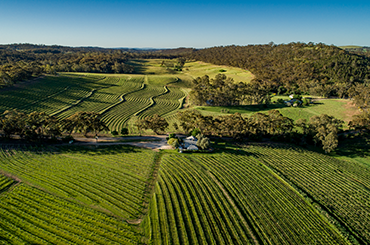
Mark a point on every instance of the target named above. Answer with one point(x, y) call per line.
point(170, 24)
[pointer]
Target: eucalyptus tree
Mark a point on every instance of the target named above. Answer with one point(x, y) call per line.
point(156, 123)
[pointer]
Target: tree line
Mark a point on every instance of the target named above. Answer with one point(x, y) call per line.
point(40, 126)
point(315, 69)
point(320, 130)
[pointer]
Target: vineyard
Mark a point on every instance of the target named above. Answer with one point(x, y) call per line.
point(116, 180)
point(259, 194)
point(341, 188)
point(5, 183)
point(231, 199)
point(116, 98)
point(63, 189)
point(120, 194)
point(31, 216)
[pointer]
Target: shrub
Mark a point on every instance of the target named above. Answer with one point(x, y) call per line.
point(195, 132)
point(174, 142)
point(124, 131)
point(306, 101)
point(172, 135)
point(280, 101)
point(203, 143)
point(114, 133)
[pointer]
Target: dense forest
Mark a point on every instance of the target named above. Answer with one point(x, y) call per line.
point(315, 69)
point(224, 91)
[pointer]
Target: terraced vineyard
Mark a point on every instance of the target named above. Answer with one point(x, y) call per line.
point(117, 98)
point(165, 103)
point(112, 179)
point(51, 94)
point(134, 103)
point(231, 199)
point(341, 188)
point(105, 98)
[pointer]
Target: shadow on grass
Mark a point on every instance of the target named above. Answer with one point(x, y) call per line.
point(97, 149)
point(243, 108)
point(139, 66)
point(354, 146)
point(72, 149)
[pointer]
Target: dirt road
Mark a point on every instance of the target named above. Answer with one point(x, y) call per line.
point(154, 142)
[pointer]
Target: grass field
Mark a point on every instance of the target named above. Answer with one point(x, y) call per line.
point(339, 108)
point(191, 70)
point(199, 69)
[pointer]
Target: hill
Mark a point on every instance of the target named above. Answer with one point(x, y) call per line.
point(315, 69)
point(242, 193)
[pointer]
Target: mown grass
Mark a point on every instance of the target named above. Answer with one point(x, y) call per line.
point(339, 108)
point(191, 70)
point(199, 69)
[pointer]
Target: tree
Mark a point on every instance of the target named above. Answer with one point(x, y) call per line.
point(39, 124)
point(278, 124)
point(174, 142)
point(360, 122)
point(124, 131)
point(203, 142)
point(155, 123)
point(189, 119)
point(175, 126)
point(84, 122)
point(231, 125)
point(330, 142)
point(324, 129)
point(12, 122)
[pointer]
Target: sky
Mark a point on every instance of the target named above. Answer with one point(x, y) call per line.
point(172, 24)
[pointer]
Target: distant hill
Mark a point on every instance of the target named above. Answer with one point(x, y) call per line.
point(25, 61)
point(359, 50)
point(349, 46)
point(316, 69)
point(41, 48)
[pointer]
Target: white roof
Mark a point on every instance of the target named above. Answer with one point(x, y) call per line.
point(192, 147)
point(191, 138)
